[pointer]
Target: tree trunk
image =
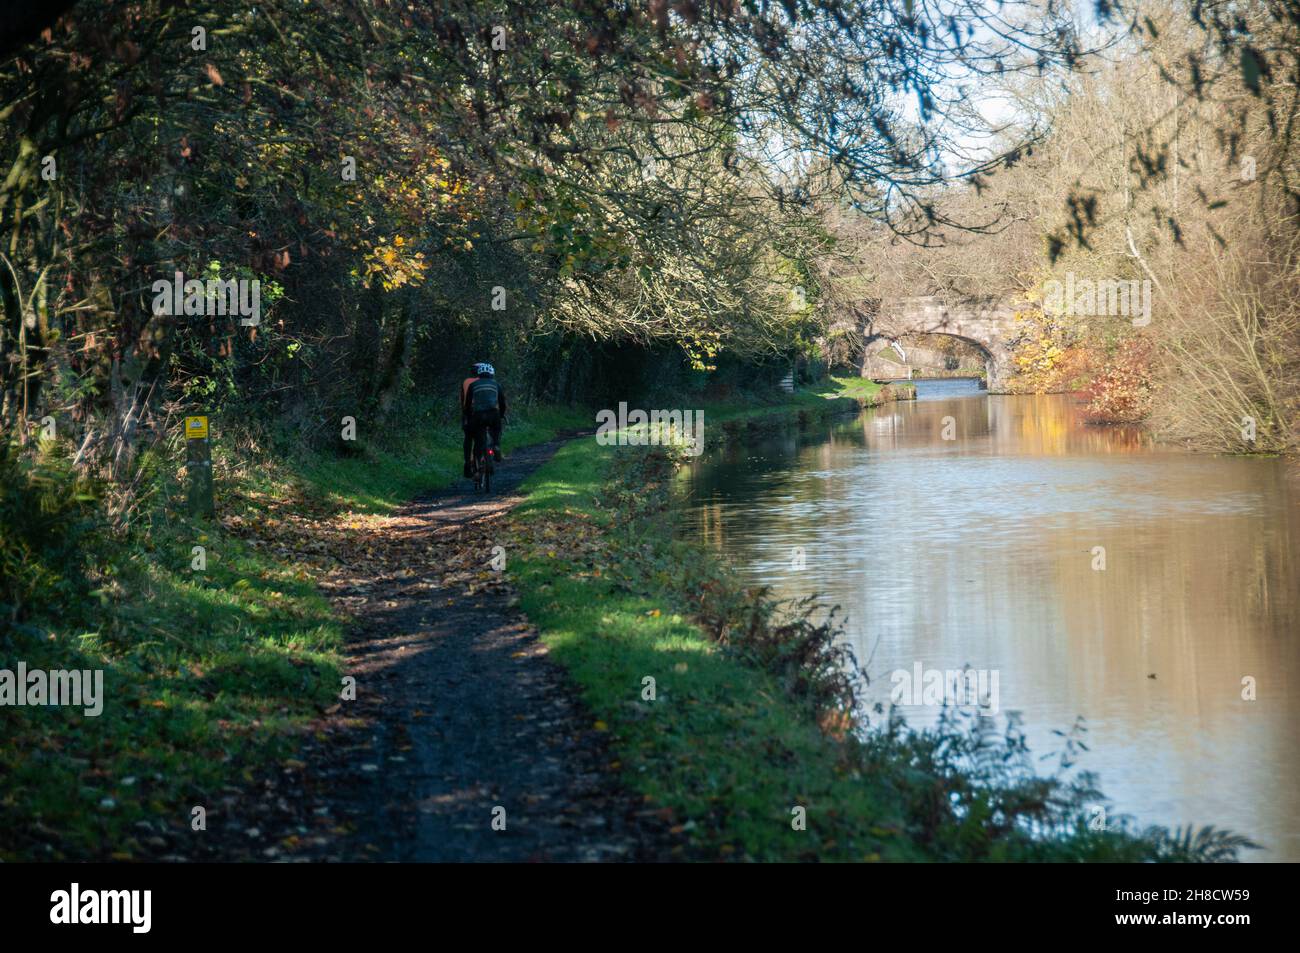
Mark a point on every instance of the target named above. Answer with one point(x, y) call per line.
point(399, 359)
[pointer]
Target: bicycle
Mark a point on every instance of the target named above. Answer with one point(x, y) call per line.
point(484, 463)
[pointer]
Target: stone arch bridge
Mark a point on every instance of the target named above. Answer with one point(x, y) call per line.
point(988, 323)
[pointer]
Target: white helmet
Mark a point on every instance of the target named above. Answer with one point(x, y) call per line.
point(488, 369)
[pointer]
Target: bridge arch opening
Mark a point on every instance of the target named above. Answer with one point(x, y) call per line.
point(927, 355)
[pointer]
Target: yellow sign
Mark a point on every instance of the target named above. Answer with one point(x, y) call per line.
point(196, 428)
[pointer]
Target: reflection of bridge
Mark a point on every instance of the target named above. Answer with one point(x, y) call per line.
point(987, 323)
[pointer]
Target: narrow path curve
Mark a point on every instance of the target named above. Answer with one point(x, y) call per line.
point(464, 714)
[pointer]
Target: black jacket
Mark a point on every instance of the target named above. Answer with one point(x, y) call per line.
point(484, 394)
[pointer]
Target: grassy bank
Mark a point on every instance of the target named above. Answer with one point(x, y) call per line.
point(211, 666)
point(424, 452)
point(834, 395)
point(208, 664)
point(730, 715)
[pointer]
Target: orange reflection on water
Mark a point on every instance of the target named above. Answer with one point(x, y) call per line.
point(983, 549)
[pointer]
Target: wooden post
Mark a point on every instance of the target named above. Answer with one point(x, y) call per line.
point(198, 463)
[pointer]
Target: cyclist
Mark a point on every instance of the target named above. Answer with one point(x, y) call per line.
point(482, 405)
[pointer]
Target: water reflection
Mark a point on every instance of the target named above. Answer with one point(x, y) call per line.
point(980, 549)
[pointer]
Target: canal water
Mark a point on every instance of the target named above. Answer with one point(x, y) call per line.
point(1152, 592)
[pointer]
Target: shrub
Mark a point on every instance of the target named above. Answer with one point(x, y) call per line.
point(1121, 393)
point(797, 641)
point(48, 521)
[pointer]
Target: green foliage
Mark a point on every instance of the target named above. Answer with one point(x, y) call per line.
point(1204, 845)
point(48, 525)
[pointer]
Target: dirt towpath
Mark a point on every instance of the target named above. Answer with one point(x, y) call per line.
point(460, 714)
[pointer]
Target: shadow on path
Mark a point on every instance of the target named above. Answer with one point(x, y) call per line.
point(463, 713)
